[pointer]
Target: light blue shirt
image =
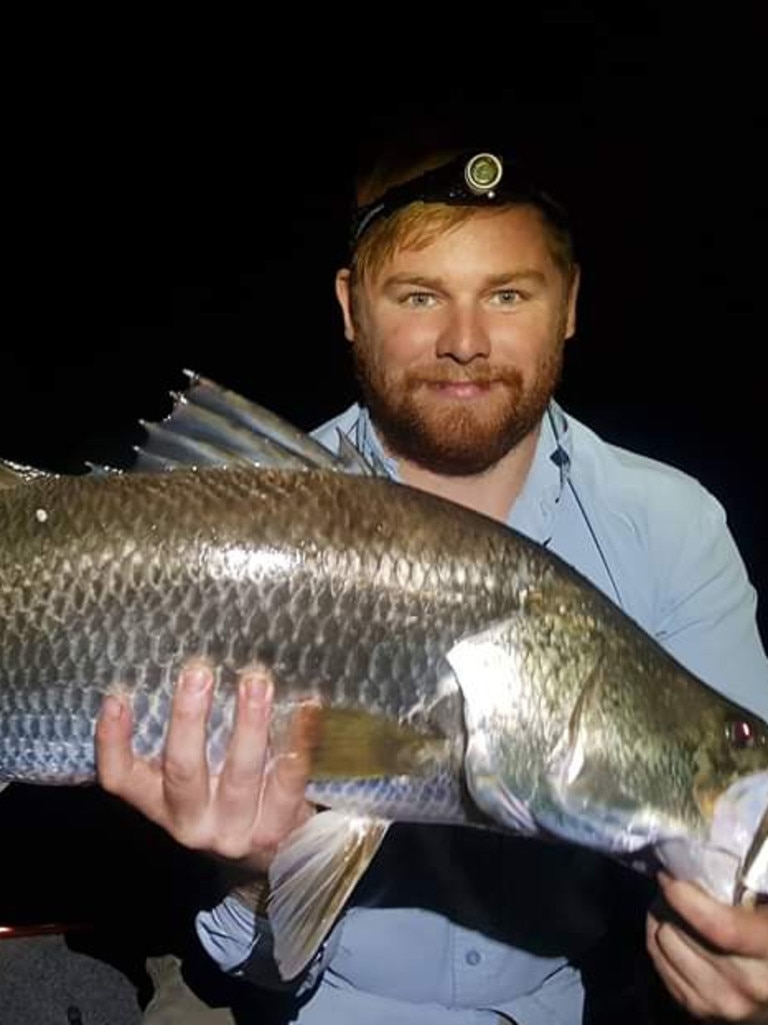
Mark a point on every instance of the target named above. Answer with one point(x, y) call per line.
point(657, 543)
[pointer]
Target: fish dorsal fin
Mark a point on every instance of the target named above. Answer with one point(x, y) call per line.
point(14, 474)
point(173, 445)
point(101, 470)
point(210, 425)
point(355, 462)
point(312, 878)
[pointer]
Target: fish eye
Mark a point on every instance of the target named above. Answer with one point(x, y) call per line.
point(742, 734)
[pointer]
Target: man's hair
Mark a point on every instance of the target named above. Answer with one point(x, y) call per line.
point(417, 224)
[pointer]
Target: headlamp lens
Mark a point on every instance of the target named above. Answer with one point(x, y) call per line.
point(483, 172)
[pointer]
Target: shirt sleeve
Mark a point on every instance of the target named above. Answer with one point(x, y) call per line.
point(240, 942)
point(706, 616)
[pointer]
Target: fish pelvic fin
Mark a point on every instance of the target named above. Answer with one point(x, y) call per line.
point(210, 425)
point(14, 474)
point(311, 879)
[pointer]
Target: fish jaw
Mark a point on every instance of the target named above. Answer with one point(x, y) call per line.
point(753, 875)
point(731, 863)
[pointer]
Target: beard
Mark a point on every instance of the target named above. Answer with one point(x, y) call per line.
point(447, 436)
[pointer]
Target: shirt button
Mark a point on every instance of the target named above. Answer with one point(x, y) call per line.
point(473, 957)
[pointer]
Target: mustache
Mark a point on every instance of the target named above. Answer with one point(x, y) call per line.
point(482, 374)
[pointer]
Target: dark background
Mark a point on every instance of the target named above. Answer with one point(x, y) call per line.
point(179, 200)
point(186, 207)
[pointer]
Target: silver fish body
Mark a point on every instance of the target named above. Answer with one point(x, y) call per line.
point(463, 673)
point(351, 590)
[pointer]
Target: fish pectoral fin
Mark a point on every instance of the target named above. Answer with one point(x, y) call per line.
point(311, 879)
point(355, 744)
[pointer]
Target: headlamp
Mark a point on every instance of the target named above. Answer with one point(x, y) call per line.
point(482, 173)
point(477, 179)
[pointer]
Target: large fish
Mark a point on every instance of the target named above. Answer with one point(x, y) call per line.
point(463, 674)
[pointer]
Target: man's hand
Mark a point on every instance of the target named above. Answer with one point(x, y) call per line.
point(244, 811)
point(724, 973)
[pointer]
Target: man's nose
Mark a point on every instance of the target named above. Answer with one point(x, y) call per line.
point(465, 336)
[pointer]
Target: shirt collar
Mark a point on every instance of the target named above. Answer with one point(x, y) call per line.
point(536, 507)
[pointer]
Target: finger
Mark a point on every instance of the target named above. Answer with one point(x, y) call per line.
point(185, 762)
point(292, 769)
point(679, 987)
point(734, 930)
point(240, 784)
point(119, 771)
point(707, 989)
point(284, 805)
point(114, 753)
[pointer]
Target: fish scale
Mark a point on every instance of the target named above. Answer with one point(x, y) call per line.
point(135, 574)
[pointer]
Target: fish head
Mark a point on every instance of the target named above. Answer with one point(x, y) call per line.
point(583, 728)
point(729, 858)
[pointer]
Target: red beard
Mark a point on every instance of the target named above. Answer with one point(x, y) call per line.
point(455, 437)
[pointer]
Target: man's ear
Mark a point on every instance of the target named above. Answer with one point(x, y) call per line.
point(573, 295)
point(344, 296)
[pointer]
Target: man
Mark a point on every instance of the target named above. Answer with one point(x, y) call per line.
point(459, 298)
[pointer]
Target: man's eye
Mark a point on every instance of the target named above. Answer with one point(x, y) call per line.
point(507, 296)
point(418, 299)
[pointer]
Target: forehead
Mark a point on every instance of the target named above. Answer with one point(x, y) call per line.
point(487, 241)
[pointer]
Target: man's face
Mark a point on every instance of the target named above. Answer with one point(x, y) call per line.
point(458, 345)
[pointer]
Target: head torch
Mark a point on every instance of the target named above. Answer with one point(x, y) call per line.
point(480, 179)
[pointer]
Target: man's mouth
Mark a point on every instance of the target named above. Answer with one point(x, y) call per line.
point(461, 389)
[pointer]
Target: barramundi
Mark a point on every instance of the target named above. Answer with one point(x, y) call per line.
point(460, 672)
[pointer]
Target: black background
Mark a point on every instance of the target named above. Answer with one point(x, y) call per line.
point(176, 196)
point(185, 206)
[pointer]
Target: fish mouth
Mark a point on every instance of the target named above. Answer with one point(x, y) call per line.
point(752, 879)
point(731, 862)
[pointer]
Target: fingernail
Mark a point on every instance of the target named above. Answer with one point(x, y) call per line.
point(195, 680)
point(257, 690)
point(112, 707)
point(292, 764)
